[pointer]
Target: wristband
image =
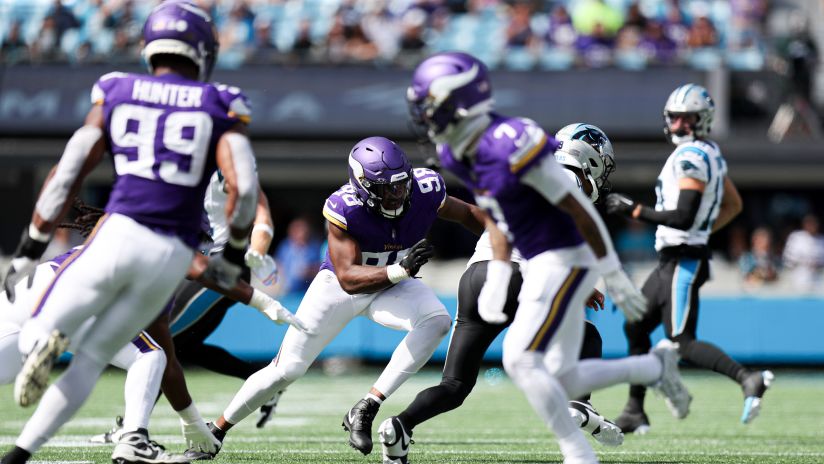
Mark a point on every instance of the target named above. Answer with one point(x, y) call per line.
point(35, 234)
point(259, 300)
point(190, 414)
point(497, 270)
point(395, 273)
point(265, 228)
point(609, 263)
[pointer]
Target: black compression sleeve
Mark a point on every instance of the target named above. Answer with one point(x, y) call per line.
point(681, 217)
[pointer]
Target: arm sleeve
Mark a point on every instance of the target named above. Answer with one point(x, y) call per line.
point(244, 161)
point(682, 217)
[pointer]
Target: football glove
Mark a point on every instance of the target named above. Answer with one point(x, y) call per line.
point(23, 264)
point(225, 269)
point(618, 203)
point(625, 295)
point(492, 298)
point(418, 255)
point(199, 437)
point(262, 266)
point(279, 314)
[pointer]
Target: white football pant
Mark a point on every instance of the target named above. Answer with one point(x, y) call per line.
point(326, 309)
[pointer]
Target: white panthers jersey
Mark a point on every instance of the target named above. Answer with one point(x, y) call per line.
point(215, 206)
point(700, 160)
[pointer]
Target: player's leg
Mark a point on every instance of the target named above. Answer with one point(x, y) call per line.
point(680, 322)
point(633, 418)
point(581, 408)
point(144, 362)
point(10, 361)
point(544, 341)
point(142, 281)
point(470, 339)
point(326, 309)
point(412, 306)
point(197, 313)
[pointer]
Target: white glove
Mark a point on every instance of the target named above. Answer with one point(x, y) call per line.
point(625, 295)
point(262, 266)
point(224, 273)
point(275, 311)
point(492, 299)
point(196, 433)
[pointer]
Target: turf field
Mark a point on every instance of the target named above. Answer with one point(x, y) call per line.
point(494, 425)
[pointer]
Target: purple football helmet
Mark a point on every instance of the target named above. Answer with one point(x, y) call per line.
point(184, 29)
point(381, 174)
point(447, 87)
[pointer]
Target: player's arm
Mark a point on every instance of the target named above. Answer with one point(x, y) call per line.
point(469, 216)
point(82, 153)
point(244, 293)
point(236, 162)
point(492, 298)
point(548, 179)
point(257, 256)
point(682, 217)
point(354, 277)
point(731, 205)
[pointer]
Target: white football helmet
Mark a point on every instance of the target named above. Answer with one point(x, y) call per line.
point(689, 99)
point(587, 148)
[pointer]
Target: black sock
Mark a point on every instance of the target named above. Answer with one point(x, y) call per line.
point(218, 360)
point(17, 455)
point(637, 393)
point(711, 357)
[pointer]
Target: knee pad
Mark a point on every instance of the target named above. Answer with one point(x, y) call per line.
point(440, 324)
point(519, 365)
point(287, 370)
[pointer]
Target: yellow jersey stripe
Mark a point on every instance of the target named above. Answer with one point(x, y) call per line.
point(529, 156)
point(554, 308)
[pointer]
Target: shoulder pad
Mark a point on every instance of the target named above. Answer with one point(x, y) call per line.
point(430, 183)
point(338, 206)
point(523, 141)
point(235, 101)
point(103, 84)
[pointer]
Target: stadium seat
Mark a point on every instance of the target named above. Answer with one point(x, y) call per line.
point(556, 59)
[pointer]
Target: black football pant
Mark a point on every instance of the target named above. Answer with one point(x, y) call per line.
point(470, 339)
point(189, 344)
point(672, 299)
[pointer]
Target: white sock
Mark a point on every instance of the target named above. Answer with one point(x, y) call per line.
point(548, 398)
point(412, 353)
point(60, 402)
point(259, 388)
point(594, 374)
point(373, 397)
point(10, 359)
point(141, 389)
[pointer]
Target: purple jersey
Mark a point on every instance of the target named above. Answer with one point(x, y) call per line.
point(508, 148)
point(384, 241)
point(162, 132)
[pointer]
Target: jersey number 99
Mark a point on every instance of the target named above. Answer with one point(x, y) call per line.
point(178, 156)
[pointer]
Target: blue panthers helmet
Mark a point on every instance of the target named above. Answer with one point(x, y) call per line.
point(181, 28)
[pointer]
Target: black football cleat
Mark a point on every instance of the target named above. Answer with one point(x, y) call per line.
point(632, 421)
point(358, 422)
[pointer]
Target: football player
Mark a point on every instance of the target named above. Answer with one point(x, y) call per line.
point(377, 224)
point(588, 158)
point(695, 197)
point(508, 164)
point(167, 132)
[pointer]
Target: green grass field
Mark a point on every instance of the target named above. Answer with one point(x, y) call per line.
point(495, 424)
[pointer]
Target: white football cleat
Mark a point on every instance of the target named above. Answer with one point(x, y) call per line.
point(395, 441)
point(588, 419)
point(135, 447)
point(670, 385)
point(33, 378)
point(113, 435)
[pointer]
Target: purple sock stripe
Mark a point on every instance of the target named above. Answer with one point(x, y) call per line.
point(557, 309)
point(66, 264)
point(144, 343)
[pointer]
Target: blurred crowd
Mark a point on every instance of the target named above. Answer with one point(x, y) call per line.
point(515, 34)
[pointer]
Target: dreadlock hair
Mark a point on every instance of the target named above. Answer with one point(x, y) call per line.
point(86, 219)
